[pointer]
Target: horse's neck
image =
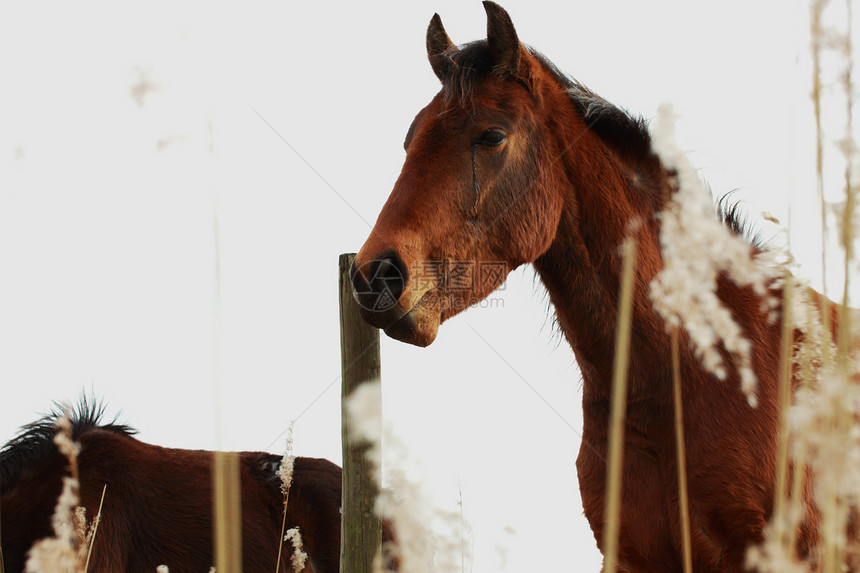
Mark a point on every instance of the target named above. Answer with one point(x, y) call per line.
point(582, 273)
point(604, 204)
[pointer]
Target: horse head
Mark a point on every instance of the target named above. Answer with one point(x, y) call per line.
point(476, 195)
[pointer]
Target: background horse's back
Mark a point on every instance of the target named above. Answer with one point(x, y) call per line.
point(158, 501)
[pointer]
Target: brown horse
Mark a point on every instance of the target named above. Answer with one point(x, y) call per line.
point(157, 505)
point(513, 163)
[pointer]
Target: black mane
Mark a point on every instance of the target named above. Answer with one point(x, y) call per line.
point(35, 441)
point(617, 128)
point(620, 130)
point(730, 214)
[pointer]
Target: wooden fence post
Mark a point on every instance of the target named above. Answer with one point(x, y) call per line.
point(361, 530)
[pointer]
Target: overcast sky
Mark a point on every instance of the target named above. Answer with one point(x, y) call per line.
point(124, 132)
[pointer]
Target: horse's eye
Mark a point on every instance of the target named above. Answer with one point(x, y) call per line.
point(492, 138)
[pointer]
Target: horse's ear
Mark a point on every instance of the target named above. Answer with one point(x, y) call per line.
point(502, 40)
point(438, 43)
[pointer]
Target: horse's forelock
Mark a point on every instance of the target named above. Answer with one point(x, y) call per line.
point(616, 127)
point(474, 61)
point(469, 64)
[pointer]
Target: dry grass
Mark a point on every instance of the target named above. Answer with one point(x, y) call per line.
point(612, 520)
point(60, 553)
point(819, 428)
point(683, 504)
point(91, 534)
point(228, 521)
point(285, 472)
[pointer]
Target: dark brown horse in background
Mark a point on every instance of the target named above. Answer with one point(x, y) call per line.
point(513, 163)
point(158, 503)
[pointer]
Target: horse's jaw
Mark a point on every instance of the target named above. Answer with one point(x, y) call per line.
point(418, 325)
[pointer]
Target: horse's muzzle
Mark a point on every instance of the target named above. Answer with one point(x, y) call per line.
point(378, 287)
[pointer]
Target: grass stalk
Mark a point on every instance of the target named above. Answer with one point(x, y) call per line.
point(847, 232)
point(817, 35)
point(95, 530)
point(612, 517)
point(283, 532)
point(683, 503)
point(285, 473)
point(228, 529)
point(834, 510)
point(784, 397)
point(806, 374)
point(847, 224)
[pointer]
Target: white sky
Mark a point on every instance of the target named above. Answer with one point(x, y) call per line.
point(107, 242)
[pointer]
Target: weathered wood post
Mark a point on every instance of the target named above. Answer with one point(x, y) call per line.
point(361, 530)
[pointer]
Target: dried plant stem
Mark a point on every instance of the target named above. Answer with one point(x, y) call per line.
point(612, 518)
point(61, 551)
point(817, 35)
point(784, 396)
point(95, 530)
point(786, 525)
point(228, 530)
point(806, 374)
point(847, 223)
point(285, 473)
point(834, 509)
point(283, 531)
point(683, 503)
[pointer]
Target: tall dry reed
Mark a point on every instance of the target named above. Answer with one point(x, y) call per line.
point(92, 530)
point(226, 486)
point(819, 440)
point(819, 389)
point(696, 249)
point(227, 514)
point(285, 473)
point(681, 455)
point(619, 408)
point(60, 553)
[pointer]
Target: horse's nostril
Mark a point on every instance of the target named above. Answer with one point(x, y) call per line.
point(388, 276)
point(379, 284)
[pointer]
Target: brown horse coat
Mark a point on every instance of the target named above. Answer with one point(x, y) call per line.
point(158, 503)
point(512, 163)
